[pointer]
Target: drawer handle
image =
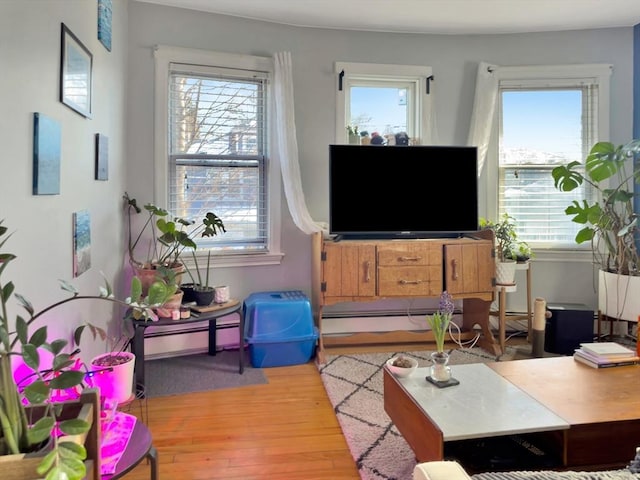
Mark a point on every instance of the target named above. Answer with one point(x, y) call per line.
point(454, 264)
point(367, 271)
point(409, 259)
point(410, 282)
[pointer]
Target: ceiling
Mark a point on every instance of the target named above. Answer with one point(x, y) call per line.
point(429, 16)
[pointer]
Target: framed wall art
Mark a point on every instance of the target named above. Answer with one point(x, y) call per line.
point(104, 23)
point(81, 242)
point(76, 66)
point(102, 157)
point(47, 140)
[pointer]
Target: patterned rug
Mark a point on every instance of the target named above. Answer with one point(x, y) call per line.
point(354, 386)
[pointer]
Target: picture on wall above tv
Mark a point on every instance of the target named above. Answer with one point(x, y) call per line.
point(419, 191)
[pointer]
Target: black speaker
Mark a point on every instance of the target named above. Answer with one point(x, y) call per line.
point(569, 325)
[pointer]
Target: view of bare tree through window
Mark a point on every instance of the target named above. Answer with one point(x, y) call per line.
point(217, 151)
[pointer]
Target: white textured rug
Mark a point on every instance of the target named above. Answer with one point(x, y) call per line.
point(354, 386)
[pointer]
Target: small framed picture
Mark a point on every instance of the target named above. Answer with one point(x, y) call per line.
point(102, 157)
point(104, 23)
point(76, 65)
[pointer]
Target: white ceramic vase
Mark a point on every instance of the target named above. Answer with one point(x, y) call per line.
point(115, 381)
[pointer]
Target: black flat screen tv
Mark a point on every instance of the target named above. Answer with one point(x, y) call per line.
point(421, 191)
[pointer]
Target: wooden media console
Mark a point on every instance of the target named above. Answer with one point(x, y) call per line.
point(370, 270)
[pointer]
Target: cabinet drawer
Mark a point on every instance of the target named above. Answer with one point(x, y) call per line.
point(424, 281)
point(409, 254)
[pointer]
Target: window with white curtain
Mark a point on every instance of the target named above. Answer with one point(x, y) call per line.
point(379, 103)
point(216, 146)
point(547, 116)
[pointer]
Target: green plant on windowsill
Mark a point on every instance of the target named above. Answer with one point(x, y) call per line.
point(65, 460)
point(505, 235)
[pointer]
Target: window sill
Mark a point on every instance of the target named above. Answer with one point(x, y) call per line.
point(224, 261)
point(562, 255)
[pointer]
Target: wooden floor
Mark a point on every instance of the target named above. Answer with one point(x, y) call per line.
point(285, 429)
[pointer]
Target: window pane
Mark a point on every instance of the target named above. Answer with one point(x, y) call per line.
point(542, 128)
point(217, 145)
point(379, 110)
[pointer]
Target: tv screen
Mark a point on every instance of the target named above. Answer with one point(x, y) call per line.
point(402, 191)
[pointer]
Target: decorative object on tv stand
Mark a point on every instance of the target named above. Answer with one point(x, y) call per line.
point(62, 462)
point(439, 324)
point(609, 222)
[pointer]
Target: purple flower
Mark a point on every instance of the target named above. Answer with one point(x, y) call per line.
point(446, 303)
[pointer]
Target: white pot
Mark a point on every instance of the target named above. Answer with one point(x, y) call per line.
point(115, 381)
point(506, 272)
point(619, 296)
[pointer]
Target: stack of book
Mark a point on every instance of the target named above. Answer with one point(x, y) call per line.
point(605, 354)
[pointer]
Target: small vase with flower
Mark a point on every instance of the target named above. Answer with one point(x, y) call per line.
point(439, 324)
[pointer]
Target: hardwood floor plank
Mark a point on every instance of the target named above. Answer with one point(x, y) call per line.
point(284, 430)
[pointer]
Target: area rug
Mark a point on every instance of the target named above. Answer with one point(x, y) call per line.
point(355, 388)
point(198, 373)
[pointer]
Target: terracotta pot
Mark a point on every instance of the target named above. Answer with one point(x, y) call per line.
point(147, 275)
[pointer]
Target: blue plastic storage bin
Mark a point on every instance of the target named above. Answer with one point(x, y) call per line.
point(279, 328)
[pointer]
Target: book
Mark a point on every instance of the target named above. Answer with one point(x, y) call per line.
point(595, 363)
point(607, 349)
point(603, 359)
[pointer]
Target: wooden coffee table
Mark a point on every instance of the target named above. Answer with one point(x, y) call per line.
point(586, 417)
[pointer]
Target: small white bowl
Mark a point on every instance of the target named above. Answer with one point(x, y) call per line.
point(402, 371)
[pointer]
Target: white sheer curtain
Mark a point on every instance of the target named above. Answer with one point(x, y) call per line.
point(484, 106)
point(286, 146)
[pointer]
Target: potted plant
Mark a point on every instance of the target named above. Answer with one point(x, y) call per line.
point(19, 435)
point(439, 324)
point(203, 292)
point(609, 221)
point(168, 237)
point(507, 245)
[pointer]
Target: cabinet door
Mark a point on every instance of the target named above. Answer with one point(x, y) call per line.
point(349, 270)
point(469, 268)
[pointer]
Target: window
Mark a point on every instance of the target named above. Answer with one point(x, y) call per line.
point(384, 104)
point(546, 116)
point(213, 148)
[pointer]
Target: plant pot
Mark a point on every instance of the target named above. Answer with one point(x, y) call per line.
point(187, 290)
point(113, 375)
point(147, 275)
point(618, 296)
point(506, 272)
point(203, 295)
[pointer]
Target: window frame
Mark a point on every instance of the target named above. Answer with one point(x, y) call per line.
point(361, 73)
point(165, 56)
point(537, 76)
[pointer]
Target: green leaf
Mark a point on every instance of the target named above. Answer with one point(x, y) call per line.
point(57, 346)
point(136, 289)
point(39, 337)
point(73, 467)
point(47, 462)
point(74, 426)
point(68, 287)
point(585, 235)
point(67, 379)
point(68, 449)
point(37, 392)
point(26, 304)
point(158, 293)
point(22, 329)
point(31, 356)
point(6, 292)
point(41, 430)
point(62, 361)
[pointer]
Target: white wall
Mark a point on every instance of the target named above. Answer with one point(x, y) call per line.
point(42, 225)
point(454, 60)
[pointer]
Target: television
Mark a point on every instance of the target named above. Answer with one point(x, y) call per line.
point(420, 191)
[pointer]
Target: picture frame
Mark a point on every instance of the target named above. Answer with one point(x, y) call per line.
point(102, 157)
point(105, 15)
point(76, 69)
